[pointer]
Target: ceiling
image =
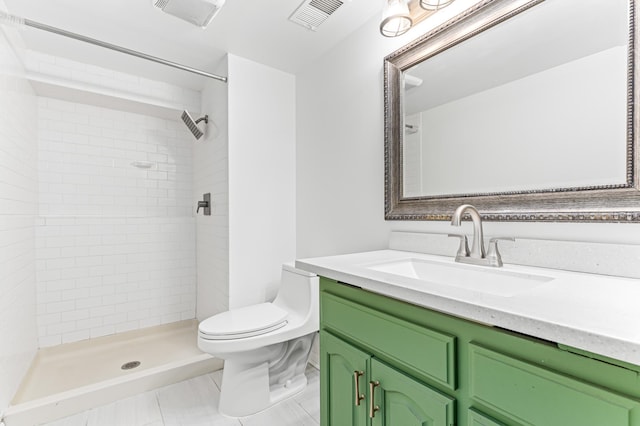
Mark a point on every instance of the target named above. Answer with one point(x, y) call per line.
point(254, 29)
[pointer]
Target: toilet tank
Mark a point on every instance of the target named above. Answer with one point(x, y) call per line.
point(298, 292)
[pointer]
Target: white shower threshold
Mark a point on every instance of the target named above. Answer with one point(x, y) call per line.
point(74, 377)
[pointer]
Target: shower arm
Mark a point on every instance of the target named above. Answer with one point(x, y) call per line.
point(85, 39)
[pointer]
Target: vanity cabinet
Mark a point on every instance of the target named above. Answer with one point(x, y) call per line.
point(420, 367)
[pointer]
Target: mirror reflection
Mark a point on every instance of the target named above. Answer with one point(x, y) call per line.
point(536, 103)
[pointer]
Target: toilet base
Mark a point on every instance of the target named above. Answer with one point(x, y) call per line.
point(250, 388)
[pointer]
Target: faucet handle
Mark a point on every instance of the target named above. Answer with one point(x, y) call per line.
point(205, 204)
point(493, 255)
point(463, 249)
point(496, 239)
point(202, 205)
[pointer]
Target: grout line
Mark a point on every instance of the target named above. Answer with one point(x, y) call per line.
point(155, 393)
point(210, 376)
point(306, 411)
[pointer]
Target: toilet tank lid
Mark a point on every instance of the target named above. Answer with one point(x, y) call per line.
point(291, 268)
point(244, 320)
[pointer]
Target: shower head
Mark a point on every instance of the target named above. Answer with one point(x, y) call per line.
point(193, 125)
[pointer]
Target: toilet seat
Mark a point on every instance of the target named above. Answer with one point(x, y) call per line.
point(244, 322)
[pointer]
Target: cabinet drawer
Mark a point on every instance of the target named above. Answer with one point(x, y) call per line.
point(532, 395)
point(409, 346)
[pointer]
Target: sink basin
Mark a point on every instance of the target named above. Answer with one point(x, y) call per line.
point(494, 281)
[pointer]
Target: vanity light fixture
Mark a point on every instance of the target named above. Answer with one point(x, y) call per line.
point(395, 18)
point(398, 16)
point(434, 4)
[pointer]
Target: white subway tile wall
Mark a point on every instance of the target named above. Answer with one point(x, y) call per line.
point(104, 275)
point(115, 243)
point(18, 209)
point(86, 156)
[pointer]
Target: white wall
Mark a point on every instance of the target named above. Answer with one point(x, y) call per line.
point(210, 168)
point(262, 179)
point(18, 210)
point(246, 160)
point(340, 153)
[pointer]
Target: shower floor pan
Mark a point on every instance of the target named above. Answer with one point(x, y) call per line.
point(70, 378)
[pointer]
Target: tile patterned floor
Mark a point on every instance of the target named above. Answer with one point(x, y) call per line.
point(195, 403)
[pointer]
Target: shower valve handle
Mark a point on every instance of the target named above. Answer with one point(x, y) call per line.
point(202, 204)
point(205, 204)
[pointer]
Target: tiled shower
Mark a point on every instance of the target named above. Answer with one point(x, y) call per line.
point(115, 243)
point(98, 229)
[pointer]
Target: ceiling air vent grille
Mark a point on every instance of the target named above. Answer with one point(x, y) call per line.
point(327, 6)
point(311, 13)
point(161, 3)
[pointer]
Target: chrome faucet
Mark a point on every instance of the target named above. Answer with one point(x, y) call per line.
point(477, 254)
point(477, 247)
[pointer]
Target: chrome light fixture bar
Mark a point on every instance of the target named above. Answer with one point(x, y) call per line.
point(399, 16)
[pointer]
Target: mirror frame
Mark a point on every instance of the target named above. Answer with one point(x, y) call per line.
point(607, 203)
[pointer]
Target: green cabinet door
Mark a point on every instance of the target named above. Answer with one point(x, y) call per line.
point(340, 365)
point(531, 395)
point(403, 401)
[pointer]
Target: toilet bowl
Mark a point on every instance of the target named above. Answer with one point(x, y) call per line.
point(265, 347)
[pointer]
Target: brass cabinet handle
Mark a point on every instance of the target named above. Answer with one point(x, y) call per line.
point(372, 408)
point(356, 379)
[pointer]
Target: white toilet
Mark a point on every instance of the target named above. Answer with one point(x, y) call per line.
point(265, 347)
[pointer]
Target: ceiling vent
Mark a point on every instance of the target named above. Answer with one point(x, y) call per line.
point(197, 12)
point(311, 13)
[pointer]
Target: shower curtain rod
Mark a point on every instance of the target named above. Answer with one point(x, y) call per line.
point(79, 37)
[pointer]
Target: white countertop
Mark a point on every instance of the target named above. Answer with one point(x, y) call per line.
point(596, 313)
